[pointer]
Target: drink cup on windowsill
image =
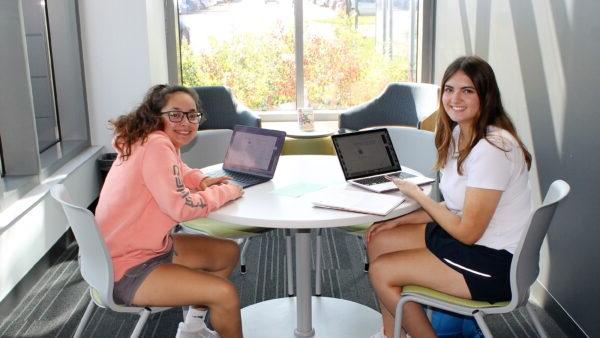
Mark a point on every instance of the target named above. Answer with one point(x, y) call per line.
point(306, 119)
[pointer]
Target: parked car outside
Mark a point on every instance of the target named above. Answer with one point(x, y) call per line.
point(194, 6)
point(365, 7)
point(401, 4)
point(184, 32)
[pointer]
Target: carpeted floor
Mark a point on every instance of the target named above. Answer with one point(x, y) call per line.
point(57, 302)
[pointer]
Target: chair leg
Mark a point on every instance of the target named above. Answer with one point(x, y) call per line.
point(318, 259)
point(290, 270)
point(243, 255)
point(185, 310)
point(536, 321)
point(398, 317)
point(86, 317)
point(364, 255)
point(482, 325)
point(140, 324)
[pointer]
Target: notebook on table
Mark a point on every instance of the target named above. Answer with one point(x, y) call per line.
point(356, 201)
point(252, 155)
point(366, 157)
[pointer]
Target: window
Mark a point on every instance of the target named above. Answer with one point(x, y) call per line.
point(40, 72)
point(41, 84)
point(342, 53)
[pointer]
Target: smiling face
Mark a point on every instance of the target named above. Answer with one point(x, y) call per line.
point(183, 132)
point(460, 99)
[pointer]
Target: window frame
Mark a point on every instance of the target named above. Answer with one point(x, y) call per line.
point(2, 169)
point(422, 49)
point(24, 166)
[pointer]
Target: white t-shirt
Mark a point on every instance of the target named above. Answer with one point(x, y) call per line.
point(491, 168)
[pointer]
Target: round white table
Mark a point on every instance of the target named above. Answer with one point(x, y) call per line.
point(265, 205)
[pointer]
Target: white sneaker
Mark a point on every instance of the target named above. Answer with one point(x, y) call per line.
point(204, 332)
point(379, 334)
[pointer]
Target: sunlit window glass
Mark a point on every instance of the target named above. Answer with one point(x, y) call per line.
point(352, 49)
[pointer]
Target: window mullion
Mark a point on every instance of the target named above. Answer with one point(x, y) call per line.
point(299, 45)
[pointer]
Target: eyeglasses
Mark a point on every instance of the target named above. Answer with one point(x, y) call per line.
point(176, 116)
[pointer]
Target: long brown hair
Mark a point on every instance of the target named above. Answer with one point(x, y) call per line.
point(146, 118)
point(491, 112)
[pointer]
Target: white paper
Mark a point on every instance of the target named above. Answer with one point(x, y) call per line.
point(357, 201)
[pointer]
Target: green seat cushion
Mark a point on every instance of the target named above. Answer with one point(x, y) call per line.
point(222, 229)
point(97, 298)
point(423, 291)
point(308, 146)
point(358, 229)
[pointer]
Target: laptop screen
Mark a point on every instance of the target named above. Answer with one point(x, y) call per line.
point(254, 150)
point(366, 153)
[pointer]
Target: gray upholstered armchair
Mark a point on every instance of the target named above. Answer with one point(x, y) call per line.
point(222, 110)
point(402, 103)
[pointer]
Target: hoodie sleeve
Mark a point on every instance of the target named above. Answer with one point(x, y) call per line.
point(163, 175)
point(191, 177)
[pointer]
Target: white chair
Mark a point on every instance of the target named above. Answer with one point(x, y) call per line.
point(209, 147)
point(524, 270)
point(415, 149)
point(95, 263)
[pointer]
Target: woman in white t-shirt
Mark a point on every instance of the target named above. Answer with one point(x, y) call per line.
point(464, 245)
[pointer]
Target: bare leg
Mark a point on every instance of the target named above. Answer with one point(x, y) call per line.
point(393, 270)
point(404, 237)
point(213, 255)
point(198, 276)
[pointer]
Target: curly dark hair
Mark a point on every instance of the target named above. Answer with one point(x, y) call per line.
point(146, 118)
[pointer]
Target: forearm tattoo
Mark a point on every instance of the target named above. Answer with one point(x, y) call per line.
point(185, 193)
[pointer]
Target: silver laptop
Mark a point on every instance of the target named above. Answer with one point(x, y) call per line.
point(368, 156)
point(252, 155)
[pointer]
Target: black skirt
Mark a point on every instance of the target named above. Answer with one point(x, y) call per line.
point(486, 270)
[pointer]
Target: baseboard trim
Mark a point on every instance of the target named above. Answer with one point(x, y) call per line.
point(547, 302)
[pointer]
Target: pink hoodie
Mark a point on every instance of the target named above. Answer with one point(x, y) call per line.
point(145, 196)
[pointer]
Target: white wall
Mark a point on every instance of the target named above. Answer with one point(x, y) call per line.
point(124, 53)
point(32, 225)
point(545, 54)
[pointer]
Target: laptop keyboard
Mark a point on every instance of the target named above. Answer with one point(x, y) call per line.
point(381, 179)
point(242, 179)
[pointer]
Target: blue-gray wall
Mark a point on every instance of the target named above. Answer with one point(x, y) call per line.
point(546, 55)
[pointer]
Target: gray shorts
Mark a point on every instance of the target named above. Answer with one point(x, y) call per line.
point(126, 287)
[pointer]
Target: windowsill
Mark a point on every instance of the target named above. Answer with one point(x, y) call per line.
point(292, 115)
point(24, 202)
point(291, 127)
point(14, 187)
point(56, 156)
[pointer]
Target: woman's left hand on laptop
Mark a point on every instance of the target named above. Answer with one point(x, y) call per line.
point(208, 181)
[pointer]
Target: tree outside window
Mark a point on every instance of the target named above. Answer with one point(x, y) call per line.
point(249, 45)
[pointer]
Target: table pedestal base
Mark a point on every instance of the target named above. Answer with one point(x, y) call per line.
point(331, 318)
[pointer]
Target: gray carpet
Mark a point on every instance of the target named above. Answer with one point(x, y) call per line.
point(56, 304)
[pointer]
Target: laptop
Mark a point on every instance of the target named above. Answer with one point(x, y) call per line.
point(368, 156)
point(252, 155)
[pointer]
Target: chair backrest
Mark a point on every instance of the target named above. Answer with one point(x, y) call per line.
point(525, 265)
point(94, 260)
point(403, 103)
point(222, 110)
point(209, 147)
point(415, 148)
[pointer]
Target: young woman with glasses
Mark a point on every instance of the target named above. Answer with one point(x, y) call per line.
point(147, 192)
